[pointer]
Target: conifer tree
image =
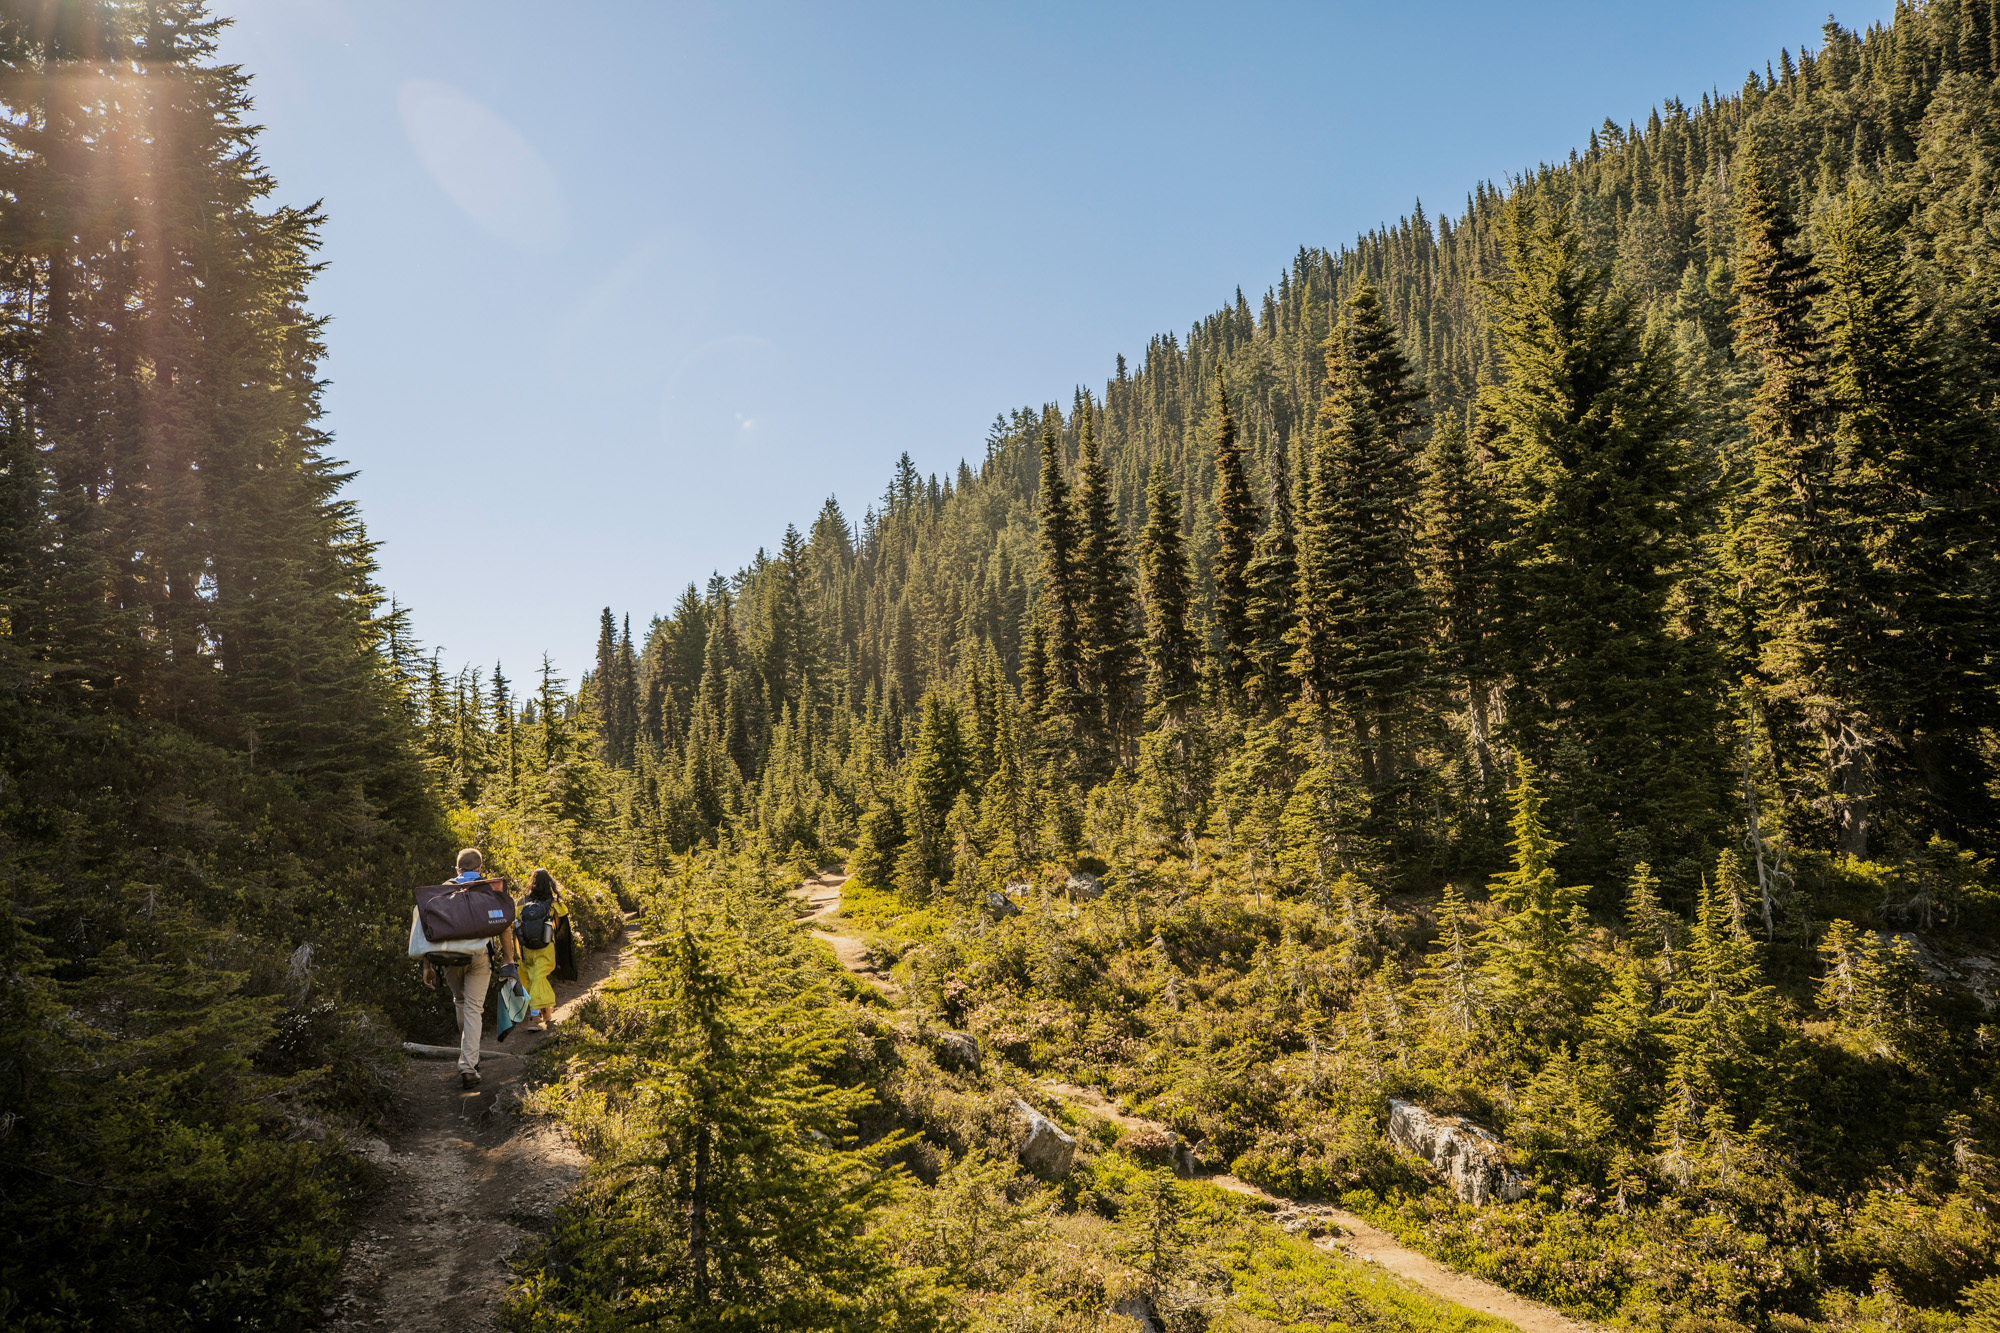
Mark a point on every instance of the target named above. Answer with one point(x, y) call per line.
point(737, 1208)
point(1655, 932)
point(1797, 548)
point(1172, 754)
point(621, 719)
point(1236, 525)
point(1107, 607)
point(1166, 590)
point(1366, 484)
point(1159, 1234)
point(939, 771)
point(609, 689)
point(1006, 814)
point(1059, 681)
point(1542, 977)
point(1869, 988)
point(1455, 555)
point(1587, 424)
point(1272, 578)
point(1451, 980)
point(1314, 649)
point(1922, 465)
point(1722, 1020)
point(788, 650)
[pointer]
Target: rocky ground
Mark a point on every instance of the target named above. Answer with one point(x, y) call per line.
point(468, 1180)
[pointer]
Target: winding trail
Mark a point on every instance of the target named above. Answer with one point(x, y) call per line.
point(822, 895)
point(1362, 1240)
point(468, 1181)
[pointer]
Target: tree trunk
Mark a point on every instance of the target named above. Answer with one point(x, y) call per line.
point(1854, 782)
point(1764, 874)
point(698, 1218)
point(1479, 722)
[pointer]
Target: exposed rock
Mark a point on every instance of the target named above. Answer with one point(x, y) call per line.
point(1043, 1146)
point(1083, 884)
point(1971, 973)
point(1001, 905)
point(1140, 1309)
point(1471, 1158)
point(1314, 1221)
point(956, 1050)
point(1188, 1158)
point(1017, 889)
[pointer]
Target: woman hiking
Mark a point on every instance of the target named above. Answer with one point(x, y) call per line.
point(535, 933)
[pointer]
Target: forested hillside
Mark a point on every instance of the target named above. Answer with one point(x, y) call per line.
point(1536, 664)
point(1708, 403)
point(213, 796)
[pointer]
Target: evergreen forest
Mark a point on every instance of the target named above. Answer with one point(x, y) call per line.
point(1535, 663)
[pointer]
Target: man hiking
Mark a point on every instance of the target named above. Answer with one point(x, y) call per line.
point(468, 983)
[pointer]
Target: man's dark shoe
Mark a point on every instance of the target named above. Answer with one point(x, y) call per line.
point(469, 1079)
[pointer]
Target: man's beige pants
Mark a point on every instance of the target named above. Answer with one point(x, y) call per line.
point(468, 993)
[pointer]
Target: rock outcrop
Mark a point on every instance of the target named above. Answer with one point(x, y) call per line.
point(957, 1050)
point(1001, 905)
point(1140, 1311)
point(1042, 1146)
point(1084, 885)
point(1471, 1158)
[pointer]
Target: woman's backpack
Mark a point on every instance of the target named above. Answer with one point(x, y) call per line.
point(535, 928)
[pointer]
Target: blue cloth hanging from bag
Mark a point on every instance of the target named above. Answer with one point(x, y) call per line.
point(513, 1007)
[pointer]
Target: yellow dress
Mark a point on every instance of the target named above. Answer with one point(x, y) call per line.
point(536, 966)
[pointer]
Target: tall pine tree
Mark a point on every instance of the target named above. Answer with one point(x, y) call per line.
point(1587, 428)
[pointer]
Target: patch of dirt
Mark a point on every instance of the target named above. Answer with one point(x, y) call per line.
point(1095, 1102)
point(469, 1180)
point(1363, 1241)
point(822, 893)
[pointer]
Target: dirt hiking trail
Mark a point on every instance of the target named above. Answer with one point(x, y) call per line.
point(468, 1180)
point(1362, 1240)
point(1366, 1241)
point(822, 897)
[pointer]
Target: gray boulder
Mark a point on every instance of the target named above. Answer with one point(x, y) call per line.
point(1001, 905)
point(1140, 1310)
point(1083, 884)
point(1471, 1158)
point(957, 1050)
point(1188, 1157)
point(1042, 1146)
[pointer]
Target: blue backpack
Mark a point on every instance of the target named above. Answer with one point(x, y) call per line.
point(535, 928)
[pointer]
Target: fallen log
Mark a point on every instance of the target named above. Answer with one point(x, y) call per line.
point(416, 1050)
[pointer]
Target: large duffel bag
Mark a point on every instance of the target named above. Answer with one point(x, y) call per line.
point(474, 909)
point(442, 953)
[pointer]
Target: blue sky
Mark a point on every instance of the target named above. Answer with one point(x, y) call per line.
point(615, 301)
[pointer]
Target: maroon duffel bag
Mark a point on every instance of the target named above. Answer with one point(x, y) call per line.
point(475, 909)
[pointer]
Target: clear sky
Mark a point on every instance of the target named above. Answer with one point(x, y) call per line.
point(621, 288)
